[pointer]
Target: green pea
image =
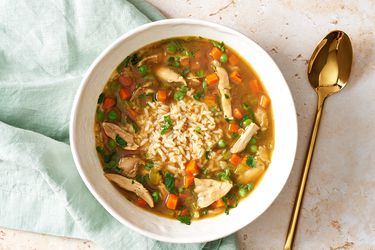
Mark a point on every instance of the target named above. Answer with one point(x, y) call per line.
point(143, 70)
point(246, 123)
point(221, 143)
point(171, 48)
point(253, 140)
point(242, 192)
point(253, 148)
point(226, 155)
point(224, 58)
point(112, 115)
point(100, 115)
point(112, 144)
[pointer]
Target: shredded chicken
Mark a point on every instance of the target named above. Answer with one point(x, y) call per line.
point(244, 139)
point(132, 186)
point(261, 117)
point(153, 58)
point(263, 154)
point(224, 89)
point(252, 174)
point(129, 166)
point(209, 190)
point(112, 130)
point(168, 75)
point(142, 89)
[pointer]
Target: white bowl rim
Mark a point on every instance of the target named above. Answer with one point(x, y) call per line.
point(73, 120)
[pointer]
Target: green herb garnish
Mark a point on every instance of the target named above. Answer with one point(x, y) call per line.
point(185, 72)
point(169, 183)
point(121, 142)
point(167, 124)
point(220, 45)
point(133, 59)
point(101, 98)
point(184, 219)
point(174, 61)
point(180, 93)
point(200, 73)
point(156, 196)
point(149, 164)
point(198, 96)
point(251, 162)
point(224, 176)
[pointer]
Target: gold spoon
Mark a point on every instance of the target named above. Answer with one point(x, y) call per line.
point(328, 72)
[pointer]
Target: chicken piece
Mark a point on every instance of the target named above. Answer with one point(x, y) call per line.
point(224, 89)
point(129, 166)
point(193, 80)
point(167, 75)
point(209, 191)
point(261, 117)
point(250, 175)
point(153, 59)
point(244, 139)
point(142, 89)
point(112, 130)
point(263, 154)
point(163, 191)
point(132, 186)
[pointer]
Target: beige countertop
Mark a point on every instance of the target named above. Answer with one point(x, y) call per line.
point(339, 205)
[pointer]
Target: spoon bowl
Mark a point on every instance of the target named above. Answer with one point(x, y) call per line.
point(328, 72)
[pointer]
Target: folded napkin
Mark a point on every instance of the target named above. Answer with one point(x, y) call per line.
point(45, 48)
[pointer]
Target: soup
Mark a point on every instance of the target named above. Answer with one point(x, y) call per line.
point(184, 128)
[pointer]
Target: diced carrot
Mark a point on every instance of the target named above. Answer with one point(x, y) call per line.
point(236, 77)
point(188, 180)
point(191, 168)
point(171, 201)
point(215, 53)
point(108, 103)
point(237, 113)
point(133, 114)
point(125, 80)
point(210, 100)
point(233, 59)
point(235, 159)
point(212, 79)
point(185, 61)
point(254, 86)
point(184, 212)
point(161, 95)
point(264, 101)
point(233, 127)
point(218, 204)
point(140, 202)
point(124, 94)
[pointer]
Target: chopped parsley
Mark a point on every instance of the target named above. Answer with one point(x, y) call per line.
point(224, 176)
point(174, 61)
point(251, 162)
point(121, 142)
point(184, 219)
point(220, 45)
point(169, 183)
point(100, 150)
point(180, 93)
point(198, 95)
point(141, 178)
point(207, 153)
point(167, 124)
point(200, 73)
point(133, 59)
point(198, 130)
point(234, 135)
point(185, 72)
point(101, 98)
point(149, 164)
point(112, 167)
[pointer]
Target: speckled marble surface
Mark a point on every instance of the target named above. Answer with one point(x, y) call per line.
point(339, 205)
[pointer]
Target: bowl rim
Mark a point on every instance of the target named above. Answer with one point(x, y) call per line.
point(85, 79)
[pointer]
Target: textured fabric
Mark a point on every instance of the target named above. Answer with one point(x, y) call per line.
point(45, 48)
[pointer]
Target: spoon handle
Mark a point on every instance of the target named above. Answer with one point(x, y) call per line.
point(297, 206)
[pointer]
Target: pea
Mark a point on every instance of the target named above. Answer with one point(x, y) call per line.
point(112, 115)
point(100, 115)
point(111, 144)
point(246, 123)
point(221, 143)
point(253, 148)
point(224, 58)
point(242, 192)
point(171, 48)
point(143, 70)
point(253, 140)
point(226, 155)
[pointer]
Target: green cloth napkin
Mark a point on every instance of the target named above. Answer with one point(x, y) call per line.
point(45, 48)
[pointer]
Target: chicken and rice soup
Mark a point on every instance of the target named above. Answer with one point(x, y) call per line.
point(184, 128)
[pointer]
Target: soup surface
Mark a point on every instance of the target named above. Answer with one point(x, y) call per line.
point(184, 128)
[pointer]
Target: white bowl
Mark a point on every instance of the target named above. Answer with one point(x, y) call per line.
point(164, 229)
